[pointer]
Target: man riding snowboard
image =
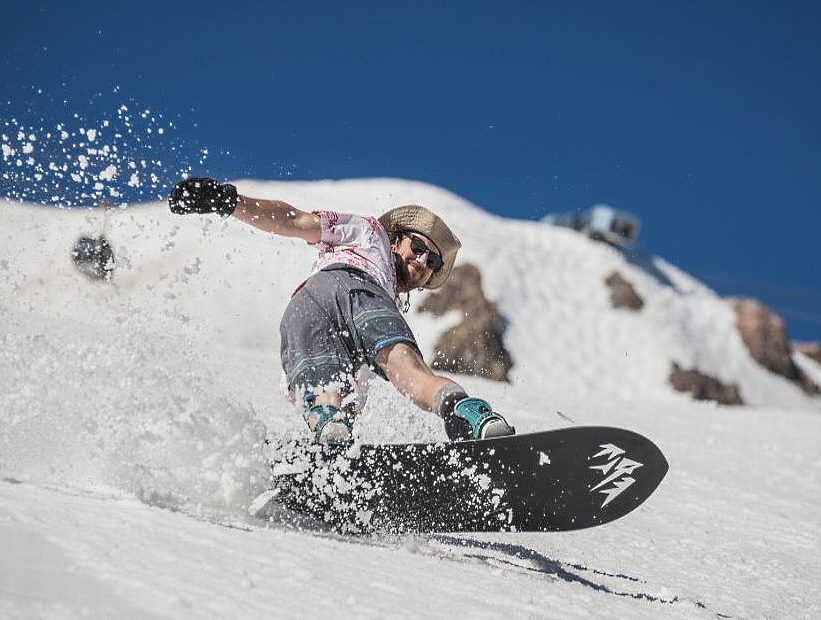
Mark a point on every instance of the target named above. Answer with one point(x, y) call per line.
point(345, 319)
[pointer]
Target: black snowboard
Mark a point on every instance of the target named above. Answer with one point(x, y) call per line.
point(557, 480)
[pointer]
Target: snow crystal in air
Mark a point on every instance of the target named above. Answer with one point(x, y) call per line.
point(77, 161)
point(109, 173)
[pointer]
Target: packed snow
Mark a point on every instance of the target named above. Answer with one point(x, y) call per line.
point(133, 412)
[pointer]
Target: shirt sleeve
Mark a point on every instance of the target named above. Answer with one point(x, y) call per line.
point(348, 229)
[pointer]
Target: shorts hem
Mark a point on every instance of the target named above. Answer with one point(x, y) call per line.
point(386, 342)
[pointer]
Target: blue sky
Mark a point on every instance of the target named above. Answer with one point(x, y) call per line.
point(702, 117)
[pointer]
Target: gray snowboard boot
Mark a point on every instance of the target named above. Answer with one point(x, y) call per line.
point(468, 418)
point(331, 425)
point(478, 416)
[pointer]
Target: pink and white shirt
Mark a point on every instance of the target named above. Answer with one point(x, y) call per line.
point(358, 241)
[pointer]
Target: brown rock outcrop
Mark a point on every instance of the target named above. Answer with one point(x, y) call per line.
point(475, 346)
point(704, 387)
point(622, 293)
point(765, 337)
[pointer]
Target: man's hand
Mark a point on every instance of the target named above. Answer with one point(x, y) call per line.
point(203, 196)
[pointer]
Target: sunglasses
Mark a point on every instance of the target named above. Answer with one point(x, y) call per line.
point(418, 247)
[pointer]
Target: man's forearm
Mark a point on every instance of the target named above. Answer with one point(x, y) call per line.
point(279, 217)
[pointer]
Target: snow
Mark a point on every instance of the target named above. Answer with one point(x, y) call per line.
point(132, 415)
point(109, 173)
point(93, 152)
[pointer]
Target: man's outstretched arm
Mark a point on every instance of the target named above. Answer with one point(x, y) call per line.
point(203, 195)
point(279, 217)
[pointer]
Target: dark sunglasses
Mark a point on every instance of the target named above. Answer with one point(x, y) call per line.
point(418, 247)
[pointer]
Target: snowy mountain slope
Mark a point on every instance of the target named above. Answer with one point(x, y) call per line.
point(190, 275)
point(131, 417)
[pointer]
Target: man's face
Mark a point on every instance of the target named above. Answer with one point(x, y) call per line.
point(412, 269)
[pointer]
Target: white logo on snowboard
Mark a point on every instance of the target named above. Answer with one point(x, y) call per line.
point(616, 470)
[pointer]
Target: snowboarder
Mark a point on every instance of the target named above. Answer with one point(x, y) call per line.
point(345, 320)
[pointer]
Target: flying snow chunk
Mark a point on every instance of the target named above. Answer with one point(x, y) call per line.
point(91, 134)
point(109, 173)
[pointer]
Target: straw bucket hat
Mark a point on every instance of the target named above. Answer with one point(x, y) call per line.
point(416, 218)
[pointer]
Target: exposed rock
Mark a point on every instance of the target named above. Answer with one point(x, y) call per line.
point(704, 387)
point(765, 337)
point(475, 346)
point(810, 349)
point(622, 293)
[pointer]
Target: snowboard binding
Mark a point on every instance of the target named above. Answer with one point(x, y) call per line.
point(330, 424)
point(474, 418)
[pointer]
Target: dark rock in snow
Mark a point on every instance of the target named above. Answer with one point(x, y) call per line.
point(704, 387)
point(622, 293)
point(765, 337)
point(475, 346)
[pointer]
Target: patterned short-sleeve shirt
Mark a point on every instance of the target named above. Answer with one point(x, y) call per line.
point(358, 241)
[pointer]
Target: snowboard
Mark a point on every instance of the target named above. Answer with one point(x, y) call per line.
point(557, 480)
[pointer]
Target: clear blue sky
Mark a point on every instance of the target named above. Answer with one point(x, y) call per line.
point(703, 118)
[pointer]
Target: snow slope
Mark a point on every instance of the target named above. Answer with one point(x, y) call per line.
point(132, 414)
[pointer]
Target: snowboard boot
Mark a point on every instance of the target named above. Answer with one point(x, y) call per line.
point(474, 418)
point(331, 426)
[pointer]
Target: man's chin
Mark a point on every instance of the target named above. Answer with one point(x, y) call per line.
point(407, 280)
point(403, 281)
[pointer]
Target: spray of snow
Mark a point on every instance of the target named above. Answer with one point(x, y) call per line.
point(76, 162)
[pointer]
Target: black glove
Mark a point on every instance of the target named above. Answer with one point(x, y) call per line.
point(203, 196)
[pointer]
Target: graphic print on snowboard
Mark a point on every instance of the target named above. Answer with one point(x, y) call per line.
point(557, 480)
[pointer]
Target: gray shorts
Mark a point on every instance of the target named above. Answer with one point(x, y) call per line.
point(333, 325)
